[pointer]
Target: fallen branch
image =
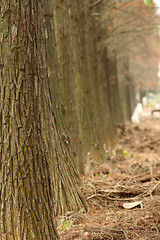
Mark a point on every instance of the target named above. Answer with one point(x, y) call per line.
point(95, 4)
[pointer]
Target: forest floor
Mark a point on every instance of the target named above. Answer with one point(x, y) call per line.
point(124, 193)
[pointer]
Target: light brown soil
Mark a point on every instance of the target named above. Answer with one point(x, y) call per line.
point(131, 174)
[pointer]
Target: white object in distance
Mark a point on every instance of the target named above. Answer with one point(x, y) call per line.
point(137, 113)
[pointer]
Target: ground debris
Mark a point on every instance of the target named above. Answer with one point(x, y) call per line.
point(97, 233)
point(133, 178)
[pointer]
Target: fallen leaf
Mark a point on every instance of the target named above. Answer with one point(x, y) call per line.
point(132, 205)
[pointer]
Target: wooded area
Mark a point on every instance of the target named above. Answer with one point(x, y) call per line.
point(70, 72)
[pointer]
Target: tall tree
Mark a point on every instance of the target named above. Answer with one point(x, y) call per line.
point(128, 35)
point(83, 104)
point(64, 175)
point(35, 168)
point(26, 194)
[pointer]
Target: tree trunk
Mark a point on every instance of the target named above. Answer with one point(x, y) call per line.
point(32, 165)
point(116, 107)
point(64, 101)
point(126, 86)
point(26, 193)
point(65, 177)
point(82, 97)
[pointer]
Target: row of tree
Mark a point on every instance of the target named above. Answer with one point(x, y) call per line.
point(66, 83)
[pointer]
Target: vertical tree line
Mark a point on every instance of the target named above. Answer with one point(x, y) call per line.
point(65, 84)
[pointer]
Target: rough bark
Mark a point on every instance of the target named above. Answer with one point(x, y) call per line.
point(82, 91)
point(74, 90)
point(126, 86)
point(106, 131)
point(65, 102)
point(64, 174)
point(116, 107)
point(35, 168)
point(26, 193)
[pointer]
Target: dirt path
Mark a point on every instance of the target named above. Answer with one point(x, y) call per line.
point(131, 175)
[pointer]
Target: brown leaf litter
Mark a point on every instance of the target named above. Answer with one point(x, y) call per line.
point(133, 178)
